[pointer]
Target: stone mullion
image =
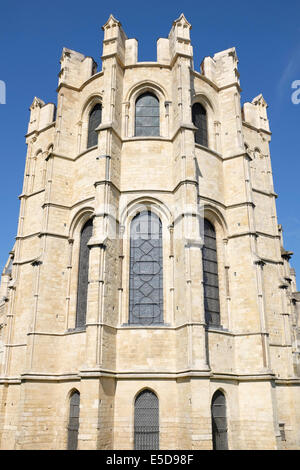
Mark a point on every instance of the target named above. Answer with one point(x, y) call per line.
point(32, 328)
point(9, 329)
point(217, 135)
point(113, 92)
point(227, 285)
point(126, 107)
point(47, 197)
point(263, 320)
point(32, 176)
point(167, 117)
point(179, 90)
point(172, 276)
point(59, 121)
point(258, 266)
point(188, 297)
point(239, 127)
point(121, 262)
point(96, 290)
point(97, 245)
point(89, 411)
point(16, 268)
point(196, 354)
point(287, 341)
point(94, 322)
point(69, 274)
point(79, 136)
point(28, 165)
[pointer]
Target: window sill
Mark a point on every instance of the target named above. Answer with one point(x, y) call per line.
point(209, 150)
point(79, 329)
point(146, 137)
point(149, 327)
point(217, 329)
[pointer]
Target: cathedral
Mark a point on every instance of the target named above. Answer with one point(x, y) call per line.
point(148, 301)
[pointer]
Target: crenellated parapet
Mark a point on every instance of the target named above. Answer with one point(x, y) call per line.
point(222, 68)
point(75, 68)
point(255, 113)
point(41, 115)
point(114, 40)
point(179, 39)
point(148, 260)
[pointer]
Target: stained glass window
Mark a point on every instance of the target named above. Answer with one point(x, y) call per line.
point(146, 270)
point(147, 115)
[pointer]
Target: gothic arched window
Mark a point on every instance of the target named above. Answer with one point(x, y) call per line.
point(94, 121)
point(146, 270)
point(73, 425)
point(219, 421)
point(146, 421)
point(199, 118)
point(83, 274)
point(210, 276)
point(147, 115)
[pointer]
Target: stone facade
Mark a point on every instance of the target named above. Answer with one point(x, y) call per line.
point(252, 357)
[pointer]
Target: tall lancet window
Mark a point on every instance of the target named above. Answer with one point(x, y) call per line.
point(83, 274)
point(147, 115)
point(94, 121)
point(219, 421)
point(199, 118)
point(146, 421)
point(73, 425)
point(146, 270)
point(210, 276)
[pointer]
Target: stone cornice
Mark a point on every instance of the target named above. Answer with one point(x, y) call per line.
point(148, 64)
point(26, 196)
point(89, 80)
point(257, 129)
point(242, 234)
point(265, 193)
point(209, 150)
point(230, 85)
point(39, 131)
point(205, 79)
point(96, 373)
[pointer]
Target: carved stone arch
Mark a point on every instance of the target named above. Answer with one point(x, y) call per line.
point(70, 393)
point(89, 103)
point(219, 420)
point(50, 149)
point(85, 236)
point(215, 216)
point(257, 152)
point(146, 203)
point(140, 390)
point(207, 102)
point(212, 120)
point(73, 419)
point(146, 270)
point(40, 150)
point(213, 231)
point(221, 390)
point(127, 218)
point(79, 219)
point(146, 420)
point(143, 87)
point(83, 124)
point(37, 170)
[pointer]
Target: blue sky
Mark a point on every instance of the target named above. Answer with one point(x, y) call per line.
point(265, 34)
